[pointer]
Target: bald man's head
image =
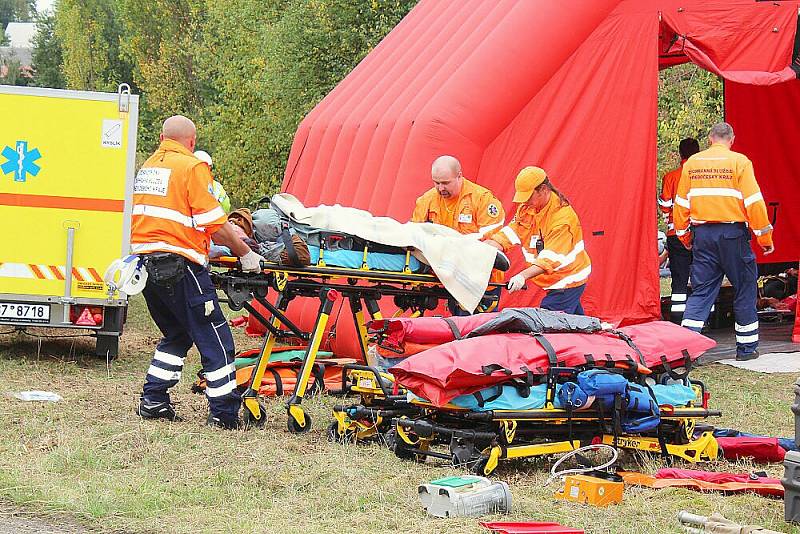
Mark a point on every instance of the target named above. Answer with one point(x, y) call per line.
point(180, 129)
point(447, 177)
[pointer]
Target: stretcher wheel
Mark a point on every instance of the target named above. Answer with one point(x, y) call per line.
point(335, 437)
point(250, 420)
point(295, 428)
point(398, 446)
point(479, 466)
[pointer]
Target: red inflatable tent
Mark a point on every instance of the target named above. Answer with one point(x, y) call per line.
point(570, 86)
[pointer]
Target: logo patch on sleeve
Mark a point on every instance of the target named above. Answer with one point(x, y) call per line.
point(493, 210)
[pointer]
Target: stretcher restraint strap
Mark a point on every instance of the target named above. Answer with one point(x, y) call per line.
point(287, 243)
point(491, 368)
point(482, 401)
point(632, 345)
point(453, 327)
point(523, 388)
point(278, 382)
point(662, 442)
point(616, 416)
point(319, 376)
point(687, 365)
point(551, 352)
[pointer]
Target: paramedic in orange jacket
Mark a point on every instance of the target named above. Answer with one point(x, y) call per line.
point(175, 216)
point(718, 196)
point(548, 230)
point(680, 259)
point(465, 206)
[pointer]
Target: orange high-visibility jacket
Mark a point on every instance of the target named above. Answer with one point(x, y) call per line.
point(475, 211)
point(174, 209)
point(557, 232)
point(666, 200)
point(717, 185)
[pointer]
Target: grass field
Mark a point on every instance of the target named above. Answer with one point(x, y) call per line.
point(90, 461)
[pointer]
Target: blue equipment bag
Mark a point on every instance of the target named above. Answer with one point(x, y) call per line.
point(641, 410)
point(602, 383)
point(572, 396)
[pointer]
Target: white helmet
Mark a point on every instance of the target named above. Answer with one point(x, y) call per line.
point(127, 275)
point(204, 156)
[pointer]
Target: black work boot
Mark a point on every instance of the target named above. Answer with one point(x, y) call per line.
point(741, 357)
point(157, 410)
point(224, 422)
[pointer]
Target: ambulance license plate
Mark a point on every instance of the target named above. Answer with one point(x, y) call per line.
point(18, 312)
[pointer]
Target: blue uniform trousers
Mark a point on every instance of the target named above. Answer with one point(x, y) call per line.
point(187, 312)
point(564, 300)
point(680, 260)
point(724, 250)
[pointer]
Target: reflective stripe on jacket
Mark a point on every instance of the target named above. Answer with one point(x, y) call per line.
point(666, 200)
point(556, 231)
point(718, 185)
point(174, 209)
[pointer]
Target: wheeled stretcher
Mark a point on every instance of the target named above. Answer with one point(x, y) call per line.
point(362, 286)
point(478, 440)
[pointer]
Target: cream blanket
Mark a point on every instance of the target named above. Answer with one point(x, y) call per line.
point(461, 263)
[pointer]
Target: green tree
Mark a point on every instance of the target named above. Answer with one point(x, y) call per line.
point(47, 54)
point(160, 37)
point(89, 32)
point(265, 79)
point(690, 100)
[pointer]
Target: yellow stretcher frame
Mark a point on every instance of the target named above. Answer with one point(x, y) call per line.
point(407, 444)
point(505, 444)
point(362, 287)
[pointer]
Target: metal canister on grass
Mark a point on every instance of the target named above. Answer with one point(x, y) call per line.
point(465, 496)
point(791, 486)
point(796, 411)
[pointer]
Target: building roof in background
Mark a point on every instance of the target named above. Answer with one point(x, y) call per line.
point(21, 34)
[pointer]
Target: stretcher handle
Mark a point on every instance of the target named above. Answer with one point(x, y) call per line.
point(369, 368)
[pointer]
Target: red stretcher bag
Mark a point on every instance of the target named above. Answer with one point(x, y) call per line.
point(469, 365)
point(761, 450)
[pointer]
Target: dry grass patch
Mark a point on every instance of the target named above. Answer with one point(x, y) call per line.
point(91, 458)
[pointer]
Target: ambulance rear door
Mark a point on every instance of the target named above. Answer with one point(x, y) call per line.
point(67, 163)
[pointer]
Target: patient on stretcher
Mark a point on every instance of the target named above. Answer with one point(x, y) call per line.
point(337, 236)
point(262, 230)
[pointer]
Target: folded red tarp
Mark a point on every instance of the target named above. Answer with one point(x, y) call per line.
point(469, 365)
point(703, 481)
point(760, 449)
point(707, 481)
